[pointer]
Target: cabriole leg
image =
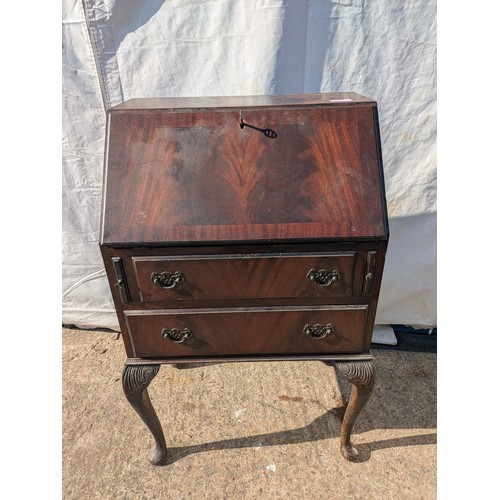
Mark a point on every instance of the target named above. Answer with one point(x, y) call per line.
point(135, 380)
point(361, 374)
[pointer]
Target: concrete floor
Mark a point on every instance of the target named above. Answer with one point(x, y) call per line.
point(246, 430)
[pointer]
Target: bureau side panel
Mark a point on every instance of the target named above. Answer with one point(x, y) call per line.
point(107, 256)
point(380, 252)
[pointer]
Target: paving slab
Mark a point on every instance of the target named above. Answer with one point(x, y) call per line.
point(246, 430)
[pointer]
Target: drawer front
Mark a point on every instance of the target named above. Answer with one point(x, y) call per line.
point(247, 331)
point(244, 276)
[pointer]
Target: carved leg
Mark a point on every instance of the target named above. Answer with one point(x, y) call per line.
point(362, 375)
point(135, 380)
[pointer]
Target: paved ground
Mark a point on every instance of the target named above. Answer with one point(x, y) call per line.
point(246, 430)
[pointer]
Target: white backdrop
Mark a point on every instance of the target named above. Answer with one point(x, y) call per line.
point(119, 49)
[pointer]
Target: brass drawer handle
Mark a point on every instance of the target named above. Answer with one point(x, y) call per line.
point(323, 277)
point(177, 335)
point(166, 279)
point(319, 331)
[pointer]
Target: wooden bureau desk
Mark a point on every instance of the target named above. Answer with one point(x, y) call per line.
point(243, 229)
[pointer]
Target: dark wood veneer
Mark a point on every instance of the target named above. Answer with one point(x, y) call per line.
point(183, 177)
point(238, 229)
point(257, 331)
point(236, 276)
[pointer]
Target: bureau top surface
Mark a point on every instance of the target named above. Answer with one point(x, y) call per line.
point(243, 169)
point(211, 102)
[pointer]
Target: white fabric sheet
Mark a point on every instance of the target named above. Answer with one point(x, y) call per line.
point(116, 50)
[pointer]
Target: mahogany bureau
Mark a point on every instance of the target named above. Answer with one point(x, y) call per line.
point(243, 229)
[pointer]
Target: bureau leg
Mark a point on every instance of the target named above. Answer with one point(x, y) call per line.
point(361, 374)
point(135, 380)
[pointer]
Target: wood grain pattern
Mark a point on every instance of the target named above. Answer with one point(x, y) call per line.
point(173, 178)
point(232, 331)
point(243, 173)
point(244, 276)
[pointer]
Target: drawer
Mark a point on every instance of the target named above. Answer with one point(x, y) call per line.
point(239, 276)
point(247, 331)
